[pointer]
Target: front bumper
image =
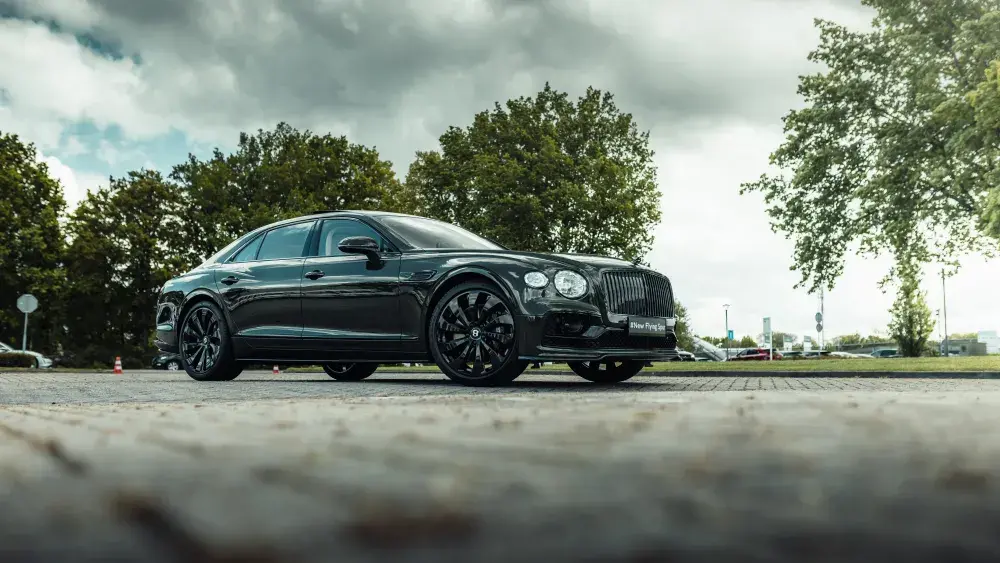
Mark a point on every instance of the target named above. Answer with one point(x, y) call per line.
point(541, 340)
point(166, 338)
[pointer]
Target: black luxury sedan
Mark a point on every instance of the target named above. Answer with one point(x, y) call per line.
point(351, 289)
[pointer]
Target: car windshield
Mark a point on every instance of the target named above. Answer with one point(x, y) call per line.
point(425, 234)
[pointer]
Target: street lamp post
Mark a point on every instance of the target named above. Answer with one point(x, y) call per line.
point(944, 310)
point(726, 307)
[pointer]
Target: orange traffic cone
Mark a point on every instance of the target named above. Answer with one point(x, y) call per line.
point(275, 371)
point(118, 365)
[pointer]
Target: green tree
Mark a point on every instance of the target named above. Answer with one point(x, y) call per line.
point(683, 328)
point(848, 339)
point(891, 153)
point(964, 336)
point(126, 242)
point(714, 340)
point(911, 323)
point(31, 245)
point(546, 174)
point(279, 174)
point(745, 342)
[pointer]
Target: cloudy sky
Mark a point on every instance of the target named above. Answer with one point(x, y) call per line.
point(104, 86)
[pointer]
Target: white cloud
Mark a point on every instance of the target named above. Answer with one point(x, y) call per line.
point(75, 185)
point(710, 79)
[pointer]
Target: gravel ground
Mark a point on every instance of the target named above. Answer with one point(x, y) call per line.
point(155, 467)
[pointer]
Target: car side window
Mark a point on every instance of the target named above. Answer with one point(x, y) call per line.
point(249, 251)
point(285, 242)
point(335, 230)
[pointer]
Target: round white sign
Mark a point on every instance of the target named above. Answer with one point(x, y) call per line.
point(27, 303)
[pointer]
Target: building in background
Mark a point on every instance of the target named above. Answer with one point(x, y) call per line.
point(991, 340)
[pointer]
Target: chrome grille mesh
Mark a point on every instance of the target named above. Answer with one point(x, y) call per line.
point(639, 293)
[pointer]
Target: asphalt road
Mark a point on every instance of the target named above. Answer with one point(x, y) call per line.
point(155, 467)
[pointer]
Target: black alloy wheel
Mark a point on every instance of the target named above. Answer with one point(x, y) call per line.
point(206, 351)
point(349, 371)
point(473, 336)
point(606, 372)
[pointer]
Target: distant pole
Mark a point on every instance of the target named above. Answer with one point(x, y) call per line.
point(24, 339)
point(944, 311)
point(726, 307)
point(822, 333)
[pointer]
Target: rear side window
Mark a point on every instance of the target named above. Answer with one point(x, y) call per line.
point(249, 251)
point(285, 242)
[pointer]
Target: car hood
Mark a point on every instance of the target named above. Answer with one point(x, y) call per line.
point(580, 261)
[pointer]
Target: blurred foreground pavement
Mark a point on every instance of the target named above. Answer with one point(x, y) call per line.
point(635, 474)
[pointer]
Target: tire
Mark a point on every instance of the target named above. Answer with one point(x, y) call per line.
point(612, 372)
point(206, 349)
point(173, 365)
point(459, 342)
point(349, 372)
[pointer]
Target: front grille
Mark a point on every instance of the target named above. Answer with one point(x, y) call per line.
point(639, 293)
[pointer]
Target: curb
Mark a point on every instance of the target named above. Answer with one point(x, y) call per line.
point(812, 374)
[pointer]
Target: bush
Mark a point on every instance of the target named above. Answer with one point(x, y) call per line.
point(16, 360)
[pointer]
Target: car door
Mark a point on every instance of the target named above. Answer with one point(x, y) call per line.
point(261, 287)
point(350, 304)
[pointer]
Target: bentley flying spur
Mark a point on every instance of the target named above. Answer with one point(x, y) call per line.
point(349, 290)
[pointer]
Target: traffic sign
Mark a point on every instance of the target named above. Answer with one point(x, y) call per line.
point(730, 335)
point(819, 317)
point(819, 327)
point(27, 303)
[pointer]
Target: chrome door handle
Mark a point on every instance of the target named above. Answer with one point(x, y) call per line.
point(315, 275)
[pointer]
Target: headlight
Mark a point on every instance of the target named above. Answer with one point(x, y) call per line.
point(536, 280)
point(570, 284)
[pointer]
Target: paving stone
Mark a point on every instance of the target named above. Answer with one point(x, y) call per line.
point(157, 467)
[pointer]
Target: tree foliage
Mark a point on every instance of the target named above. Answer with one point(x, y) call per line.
point(126, 242)
point(895, 149)
point(31, 243)
point(683, 327)
point(545, 174)
point(274, 175)
point(99, 277)
point(911, 323)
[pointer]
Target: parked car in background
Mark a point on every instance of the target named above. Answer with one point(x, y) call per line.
point(889, 353)
point(167, 361)
point(849, 355)
point(756, 354)
point(40, 360)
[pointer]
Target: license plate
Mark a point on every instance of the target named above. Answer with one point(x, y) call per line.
point(647, 326)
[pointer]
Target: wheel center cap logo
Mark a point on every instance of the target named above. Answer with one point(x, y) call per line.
point(475, 333)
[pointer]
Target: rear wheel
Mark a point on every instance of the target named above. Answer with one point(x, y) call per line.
point(349, 372)
point(606, 372)
point(206, 349)
point(173, 365)
point(473, 338)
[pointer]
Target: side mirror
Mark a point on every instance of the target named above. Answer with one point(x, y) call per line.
point(361, 245)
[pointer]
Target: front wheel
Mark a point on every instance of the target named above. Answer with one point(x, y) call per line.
point(606, 372)
point(349, 372)
point(473, 336)
point(206, 349)
point(173, 365)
